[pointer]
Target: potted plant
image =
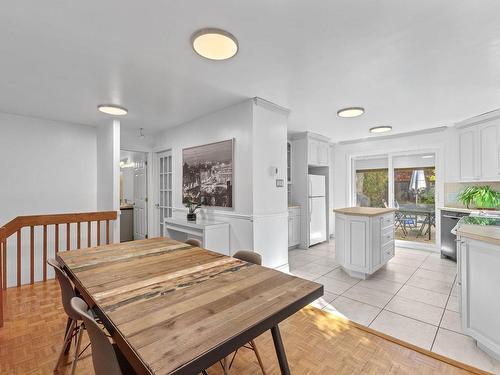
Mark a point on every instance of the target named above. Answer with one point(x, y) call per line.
point(192, 207)
point(483, 197)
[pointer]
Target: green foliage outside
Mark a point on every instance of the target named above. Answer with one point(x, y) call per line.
point(374, 186)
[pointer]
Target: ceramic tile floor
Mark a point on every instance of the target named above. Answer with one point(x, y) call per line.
point(413, 298)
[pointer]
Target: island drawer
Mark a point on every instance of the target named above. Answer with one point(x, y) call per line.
point(387, 221)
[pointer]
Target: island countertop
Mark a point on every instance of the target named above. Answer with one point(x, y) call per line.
point(364, 211)
point(485, 233)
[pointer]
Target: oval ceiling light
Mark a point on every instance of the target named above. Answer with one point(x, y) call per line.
point(113, 110)
point(214, 44)
point(350, 112)
point(381, 129)
point(427, 156)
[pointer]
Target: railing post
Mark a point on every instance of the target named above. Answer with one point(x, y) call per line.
point(15, 228)
point(3, 270)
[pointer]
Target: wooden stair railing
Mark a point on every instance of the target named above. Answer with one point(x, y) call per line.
point(15, 227)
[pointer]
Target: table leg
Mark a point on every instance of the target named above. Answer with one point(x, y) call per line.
point(280, 351)
point(429, 225)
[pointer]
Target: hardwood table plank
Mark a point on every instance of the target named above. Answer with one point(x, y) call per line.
point(175, 309)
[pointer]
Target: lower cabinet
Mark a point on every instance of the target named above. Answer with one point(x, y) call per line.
point(364, 243)
point(293, 226)
point(478, 278)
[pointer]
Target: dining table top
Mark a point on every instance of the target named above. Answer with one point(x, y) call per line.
point(173, 308)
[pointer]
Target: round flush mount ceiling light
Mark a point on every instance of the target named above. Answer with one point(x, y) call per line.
point(381, 129)
point(111, 109)
point(427, 156)
point(350, 112)
point(214, 44)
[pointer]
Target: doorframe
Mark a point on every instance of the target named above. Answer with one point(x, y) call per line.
point(438, 151)
point(155, 214)
point(149, 181)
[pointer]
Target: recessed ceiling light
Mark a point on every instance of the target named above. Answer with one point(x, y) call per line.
point(111, 109)
point(427, 156)
point(381, 129)
point(350, 112)
point(214, 44)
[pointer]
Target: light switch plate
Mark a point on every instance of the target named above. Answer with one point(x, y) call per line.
point(280, 182)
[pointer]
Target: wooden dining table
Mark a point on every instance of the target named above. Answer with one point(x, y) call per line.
point(172, 308)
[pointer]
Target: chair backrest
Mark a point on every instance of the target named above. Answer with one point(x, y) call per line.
point(67, 289)
point(193, 242)
point(104, 357)
point(248, 256)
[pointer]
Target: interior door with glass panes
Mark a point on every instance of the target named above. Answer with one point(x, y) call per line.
point(164, 203)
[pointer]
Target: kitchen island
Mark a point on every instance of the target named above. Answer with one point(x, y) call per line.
point(364, 239)
point(478, 279)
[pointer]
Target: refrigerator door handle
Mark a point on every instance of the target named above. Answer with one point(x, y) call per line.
point(310, 208)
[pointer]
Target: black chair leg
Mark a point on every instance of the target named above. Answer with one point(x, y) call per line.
point(68, 326)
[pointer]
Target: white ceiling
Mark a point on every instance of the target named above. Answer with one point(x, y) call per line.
point(411, 64)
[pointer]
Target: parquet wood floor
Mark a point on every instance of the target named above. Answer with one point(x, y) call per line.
point(316, 343)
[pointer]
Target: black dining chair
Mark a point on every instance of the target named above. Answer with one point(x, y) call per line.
point(75, 325)
point(254, 258)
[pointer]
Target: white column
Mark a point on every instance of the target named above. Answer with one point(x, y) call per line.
point(108, 172)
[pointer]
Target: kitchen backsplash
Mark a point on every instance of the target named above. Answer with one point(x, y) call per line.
point(452, 189)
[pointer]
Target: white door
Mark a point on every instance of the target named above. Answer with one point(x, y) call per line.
point(164, 188)
point(140, 202)
point(317, 224)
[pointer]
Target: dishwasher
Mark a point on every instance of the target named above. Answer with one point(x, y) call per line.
point(448, 221)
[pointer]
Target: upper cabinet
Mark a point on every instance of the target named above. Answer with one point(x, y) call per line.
point(489, 151)
point(479, 151)
point(467, 154)
point(317, 151)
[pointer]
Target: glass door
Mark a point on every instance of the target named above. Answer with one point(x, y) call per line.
point(414, 186)
point(164, 203)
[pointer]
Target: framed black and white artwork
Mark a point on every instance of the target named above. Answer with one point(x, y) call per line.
point(207, 174)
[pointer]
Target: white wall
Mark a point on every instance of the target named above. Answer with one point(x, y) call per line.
point(47, 167)
point(258, 219)
point(233, 122)
point(270, 208)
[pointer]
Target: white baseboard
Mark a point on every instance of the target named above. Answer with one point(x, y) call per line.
point(417, 245)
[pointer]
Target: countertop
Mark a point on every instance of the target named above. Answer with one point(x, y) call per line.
point(126, 207)
point(485, 233)
point(293, 206)
point(466, 210)
point(364, 211)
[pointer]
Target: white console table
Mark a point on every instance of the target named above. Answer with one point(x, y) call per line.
point(214, 235)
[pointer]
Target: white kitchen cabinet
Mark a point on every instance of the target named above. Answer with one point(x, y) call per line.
point(467, 154)
point(489, 152)
point(364, 239)
point(312, 152)
point(479, 152)
point(478, 278)
point(318, 152)
point(293, 226)
point(323, 153)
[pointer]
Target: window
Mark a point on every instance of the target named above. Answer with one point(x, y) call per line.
point(371, 187)
point(372, 182)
